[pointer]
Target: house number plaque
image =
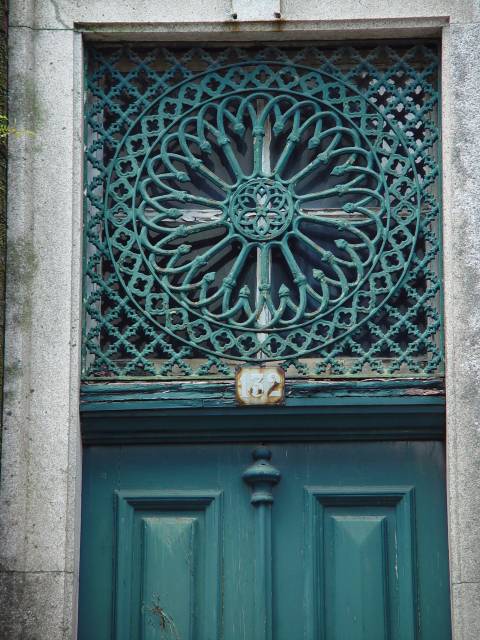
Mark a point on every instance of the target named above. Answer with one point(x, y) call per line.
point(260, 385)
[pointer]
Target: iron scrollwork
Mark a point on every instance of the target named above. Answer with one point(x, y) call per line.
point(263, 210)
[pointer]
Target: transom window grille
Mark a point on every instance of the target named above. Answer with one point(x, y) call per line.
point(262, 204)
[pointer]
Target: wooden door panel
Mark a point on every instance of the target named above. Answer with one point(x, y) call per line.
point(358, 543)
point(168, 564)
point(356, 573)
point(162, 528)
point(327, 569)
point(356, 540)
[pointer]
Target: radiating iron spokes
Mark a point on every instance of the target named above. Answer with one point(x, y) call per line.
point(262, 221)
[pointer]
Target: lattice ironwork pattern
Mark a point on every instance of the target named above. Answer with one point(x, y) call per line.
point(262, 204)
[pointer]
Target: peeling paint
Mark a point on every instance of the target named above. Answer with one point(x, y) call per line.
point(160, 619)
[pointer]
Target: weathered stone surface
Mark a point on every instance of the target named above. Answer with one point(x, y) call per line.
point(33, 606)
point(455, 11)
point(253, 10)
point(39, 506)
point(466, 607)
point(12, 588)
point(64, 14)
point(461, 76)
point(37, 402)
point(13, 486)
point(462, 293)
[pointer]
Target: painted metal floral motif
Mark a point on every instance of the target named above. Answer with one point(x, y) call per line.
point(267, 209)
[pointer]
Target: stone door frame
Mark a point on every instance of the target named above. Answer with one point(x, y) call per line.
point(41, 464)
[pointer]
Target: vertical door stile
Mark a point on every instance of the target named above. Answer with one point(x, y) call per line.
point(262, 476)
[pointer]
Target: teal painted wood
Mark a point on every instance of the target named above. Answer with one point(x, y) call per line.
point(170, 549)
point(357, 606)
point(364, 581)
point(167, 558)
point(209, 394)
point(358, 542)
point(262, 476)
point(365, 418)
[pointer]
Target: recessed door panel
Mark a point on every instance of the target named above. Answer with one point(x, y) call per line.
point(357, 538)
point(168, 533)
point(356, 575)
point(325, 541)
point(168, 564)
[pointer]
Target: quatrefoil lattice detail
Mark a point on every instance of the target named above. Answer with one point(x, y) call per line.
point(258, 204)
point(261, 209)
point(262, 223)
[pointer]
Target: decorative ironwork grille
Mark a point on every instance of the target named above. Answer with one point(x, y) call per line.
point(262, 204)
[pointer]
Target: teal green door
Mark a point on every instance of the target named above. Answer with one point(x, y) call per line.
point(323, 541)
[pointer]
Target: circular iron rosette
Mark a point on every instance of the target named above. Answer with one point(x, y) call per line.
point(261, 211)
